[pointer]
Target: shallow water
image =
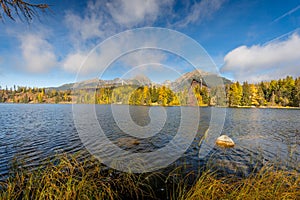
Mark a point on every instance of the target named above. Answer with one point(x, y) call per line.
point(33, 133)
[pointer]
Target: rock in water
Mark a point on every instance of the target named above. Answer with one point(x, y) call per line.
point(128, 142)
point(224, 141)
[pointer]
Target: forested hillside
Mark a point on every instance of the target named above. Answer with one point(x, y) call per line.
point(282, 92)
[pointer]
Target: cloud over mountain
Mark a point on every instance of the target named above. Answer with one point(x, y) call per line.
point(103, 19)
point(264, 62)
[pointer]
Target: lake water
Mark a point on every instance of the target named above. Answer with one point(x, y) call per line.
point(33, 133)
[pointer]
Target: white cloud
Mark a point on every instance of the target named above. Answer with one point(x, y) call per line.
point(37, 53)
point(274, 60)
point(94, 22)
point(84, 63)
point(142, 57)
point(129, 13)
point(200, 11)
point(112, 50)
point(73, 61)
point(87, 64)
point(87, 27)
point(102, 19)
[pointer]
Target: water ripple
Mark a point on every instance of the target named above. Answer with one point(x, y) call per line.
point(33, 133)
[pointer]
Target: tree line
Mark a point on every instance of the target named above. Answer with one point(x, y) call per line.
point(23, 94)
point(282, 92)
point(129, 94)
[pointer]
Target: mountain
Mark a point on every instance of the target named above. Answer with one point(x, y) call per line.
point(205, 78)
point(92, 83)
point(140, 80)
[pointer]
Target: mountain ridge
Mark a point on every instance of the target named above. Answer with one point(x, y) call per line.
point(203, 77)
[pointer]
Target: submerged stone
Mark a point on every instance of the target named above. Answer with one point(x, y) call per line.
point(128, 142)
point(224, 141)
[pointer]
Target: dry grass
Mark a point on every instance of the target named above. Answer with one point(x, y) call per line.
point(267, 184)
point(67, 178)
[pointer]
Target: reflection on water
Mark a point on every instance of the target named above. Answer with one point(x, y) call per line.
point(32, 133)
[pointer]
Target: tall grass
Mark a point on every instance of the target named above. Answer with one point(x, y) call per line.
point(266, 184)
point(68, 178)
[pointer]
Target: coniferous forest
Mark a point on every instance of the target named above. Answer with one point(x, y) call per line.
point(283, 93)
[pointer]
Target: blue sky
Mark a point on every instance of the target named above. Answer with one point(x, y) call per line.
point(248, 40)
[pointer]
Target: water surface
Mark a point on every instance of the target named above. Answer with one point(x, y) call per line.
point(32, 133)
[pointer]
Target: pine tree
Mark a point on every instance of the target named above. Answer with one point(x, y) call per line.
point(162, 96)
point(235, 94)
point(296, 93)
point(146, 96)
point(246, 101)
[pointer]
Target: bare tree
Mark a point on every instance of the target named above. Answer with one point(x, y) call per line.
point(20, 8)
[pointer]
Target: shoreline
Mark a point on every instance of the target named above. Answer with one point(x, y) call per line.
point(263, 107)
point(238, 107)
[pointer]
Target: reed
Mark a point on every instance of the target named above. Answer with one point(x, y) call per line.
point(268, 183)
point(67, 177)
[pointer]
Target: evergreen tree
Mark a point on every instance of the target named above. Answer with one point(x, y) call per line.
point(146, 96)
point(154, 94)
point(162, 96)
point(235, 94)
point(246, 100)
point(296, 93)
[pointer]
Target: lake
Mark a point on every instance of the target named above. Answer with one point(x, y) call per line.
point(34, 132)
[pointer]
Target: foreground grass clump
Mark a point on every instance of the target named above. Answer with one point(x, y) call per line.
point(267, 184)
point(68, 178)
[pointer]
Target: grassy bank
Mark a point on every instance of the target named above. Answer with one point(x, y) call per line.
point(67, 178)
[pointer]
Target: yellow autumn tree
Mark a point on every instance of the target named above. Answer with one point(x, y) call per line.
point(254, 95)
